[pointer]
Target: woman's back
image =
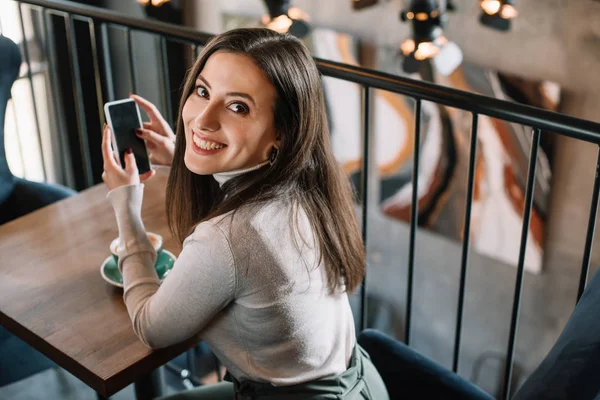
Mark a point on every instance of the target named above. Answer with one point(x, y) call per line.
point(283, 326)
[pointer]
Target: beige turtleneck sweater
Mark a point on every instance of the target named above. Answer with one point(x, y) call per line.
point(251, 288)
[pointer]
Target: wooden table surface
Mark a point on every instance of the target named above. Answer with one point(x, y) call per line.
point(53, 297)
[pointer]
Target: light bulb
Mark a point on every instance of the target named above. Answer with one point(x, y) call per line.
point(490, 7)
point(280, 24)
point(407, 47)
point(426, 50)
point(298, 15)
point(509, 12)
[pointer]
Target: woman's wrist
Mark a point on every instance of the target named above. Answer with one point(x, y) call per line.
point(126, 202)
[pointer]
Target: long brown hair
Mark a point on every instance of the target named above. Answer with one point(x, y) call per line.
point(304, 169)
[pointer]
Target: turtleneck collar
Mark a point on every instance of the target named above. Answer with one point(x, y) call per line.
point(223, 177)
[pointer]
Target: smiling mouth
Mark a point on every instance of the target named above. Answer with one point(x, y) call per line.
point(205, 144)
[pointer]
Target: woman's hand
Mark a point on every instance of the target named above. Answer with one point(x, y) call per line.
point(157, 134)
point(114, 175)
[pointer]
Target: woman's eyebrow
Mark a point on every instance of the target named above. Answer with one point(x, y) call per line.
point(204, 81)
point(244, 95)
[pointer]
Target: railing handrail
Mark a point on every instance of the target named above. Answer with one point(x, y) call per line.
point(514, 112)
point(103, 15)
point(534, 117)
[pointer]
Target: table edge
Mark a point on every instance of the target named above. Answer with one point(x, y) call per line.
point(106, 387)
point(144, 366)
point(68, 363)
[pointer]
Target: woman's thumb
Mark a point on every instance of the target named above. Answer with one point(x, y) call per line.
point(130, 165)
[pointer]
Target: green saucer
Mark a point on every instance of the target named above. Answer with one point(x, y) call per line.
point(111, 274)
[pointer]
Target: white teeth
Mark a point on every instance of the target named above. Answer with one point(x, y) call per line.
point(205, 144)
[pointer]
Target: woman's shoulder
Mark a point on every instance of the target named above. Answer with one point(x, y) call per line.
point(261, 217)
point(256, 213)
point(252, 217)
point(211, 231)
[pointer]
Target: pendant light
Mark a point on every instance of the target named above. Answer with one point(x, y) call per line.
point(497, 14)
point(428, 41)
point(283, 19)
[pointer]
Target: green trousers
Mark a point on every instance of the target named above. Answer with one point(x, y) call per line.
point(360, 381)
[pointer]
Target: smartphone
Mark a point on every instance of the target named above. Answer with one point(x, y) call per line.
point(123, 118)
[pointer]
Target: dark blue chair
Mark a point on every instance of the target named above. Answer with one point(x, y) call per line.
point(10, 62)
point(409, 375)
point(571, 370)
point(17, 198)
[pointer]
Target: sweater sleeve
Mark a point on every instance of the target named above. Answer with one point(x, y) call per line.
point(201, 283)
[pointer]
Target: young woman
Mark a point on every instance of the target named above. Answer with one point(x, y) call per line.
point(271, 246)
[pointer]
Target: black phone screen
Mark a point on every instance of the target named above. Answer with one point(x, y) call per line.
point(124, 119)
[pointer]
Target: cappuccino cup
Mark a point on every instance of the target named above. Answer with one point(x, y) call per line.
point(155, 239)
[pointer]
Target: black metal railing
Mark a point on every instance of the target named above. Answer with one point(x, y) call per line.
point(537, 119)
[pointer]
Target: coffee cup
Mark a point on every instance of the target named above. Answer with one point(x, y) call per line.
point(155, 239)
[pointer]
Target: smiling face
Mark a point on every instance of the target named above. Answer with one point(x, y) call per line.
point(228, 118)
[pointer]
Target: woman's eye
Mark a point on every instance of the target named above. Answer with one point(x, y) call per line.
point(239, 108)
point(201, 91)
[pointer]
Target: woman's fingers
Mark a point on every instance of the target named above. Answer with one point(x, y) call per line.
point(157, 122)
point(161, 128)
point(107, 153)
point(150, 109)
point(156, 129)
point(145, 105)
point(150, 136)
point(130, 165)
point(147, 175)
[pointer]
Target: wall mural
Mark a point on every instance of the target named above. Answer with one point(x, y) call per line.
point(502, 148)
point(501, 165)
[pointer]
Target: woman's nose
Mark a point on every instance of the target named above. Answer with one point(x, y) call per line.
point(208, 119)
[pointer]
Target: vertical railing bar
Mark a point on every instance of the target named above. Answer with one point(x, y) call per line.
point(365, 196)
point(535, 143)
point(133, 85)
point(97, 79)
point(587, 253)
point(110, 85)
point(413, 220)
point(466, 240)
point(166, 82)
point(19, 145)
point(50, 57)
point(78, 95)
point(30, 77)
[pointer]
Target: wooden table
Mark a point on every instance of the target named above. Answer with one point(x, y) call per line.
point(53, 297)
